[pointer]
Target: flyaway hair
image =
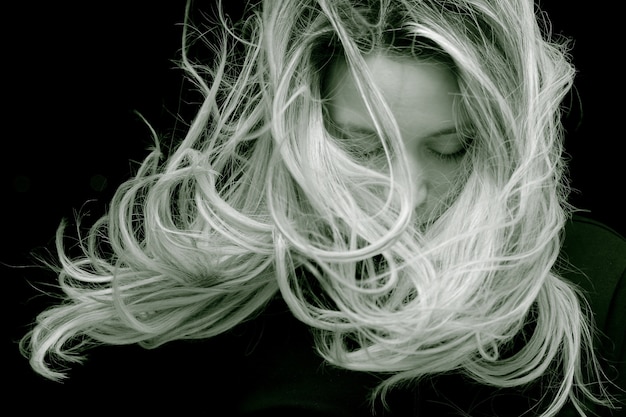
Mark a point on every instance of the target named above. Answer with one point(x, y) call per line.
point(259, 199)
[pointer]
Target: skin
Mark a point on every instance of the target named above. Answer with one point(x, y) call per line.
point(421, 97)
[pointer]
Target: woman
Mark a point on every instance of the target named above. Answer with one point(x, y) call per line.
point(390, 171)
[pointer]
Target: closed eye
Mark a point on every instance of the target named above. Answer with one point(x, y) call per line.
point(449, 156)
point(361, 143)
point(366, 146)
point(448, 150)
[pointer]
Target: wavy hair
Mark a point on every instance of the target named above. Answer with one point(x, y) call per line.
point(259, 200)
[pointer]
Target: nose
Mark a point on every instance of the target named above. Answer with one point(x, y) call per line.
point(420, 191)
point(415, 185)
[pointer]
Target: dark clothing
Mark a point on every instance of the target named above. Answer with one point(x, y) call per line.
point(268, 366)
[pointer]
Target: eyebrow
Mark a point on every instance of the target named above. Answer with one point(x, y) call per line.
point(350, 127)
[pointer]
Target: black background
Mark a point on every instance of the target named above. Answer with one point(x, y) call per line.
point(74, 72)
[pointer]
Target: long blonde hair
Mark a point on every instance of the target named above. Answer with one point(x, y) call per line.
point(259, 200)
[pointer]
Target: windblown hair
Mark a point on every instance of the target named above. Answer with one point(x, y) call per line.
point(259, 200)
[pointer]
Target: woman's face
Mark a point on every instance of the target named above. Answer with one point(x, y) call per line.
point(420, 95)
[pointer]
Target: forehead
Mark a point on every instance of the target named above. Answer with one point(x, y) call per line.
point(420, 94)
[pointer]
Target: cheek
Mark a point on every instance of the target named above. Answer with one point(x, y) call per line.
point(440, 177)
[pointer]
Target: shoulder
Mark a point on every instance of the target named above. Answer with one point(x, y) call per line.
point(593, 244)
point(593, 257)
